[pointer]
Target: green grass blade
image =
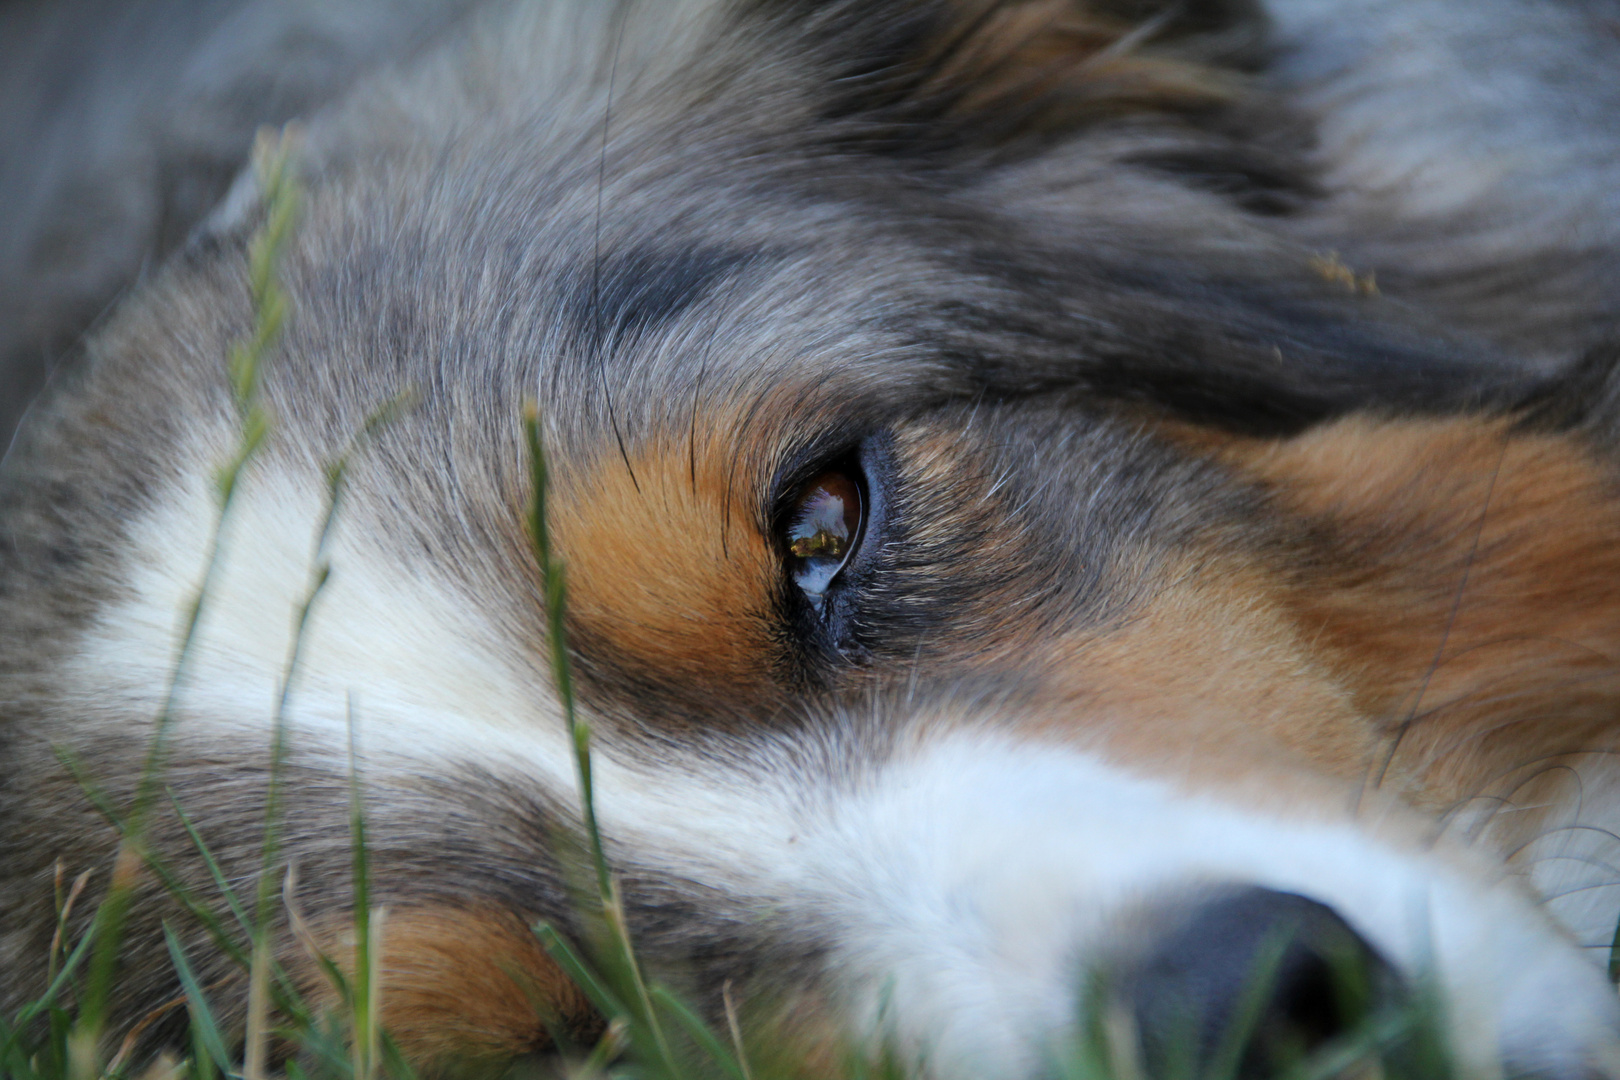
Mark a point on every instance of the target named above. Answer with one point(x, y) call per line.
point(394, 1063)
point(555, 592)
point(204, 1029)
point(363, 1004)
point(273, 160)
point(218, 876)
point(29, 1012)
point(1614, 957)
point(706, 1040)
point(594, 989)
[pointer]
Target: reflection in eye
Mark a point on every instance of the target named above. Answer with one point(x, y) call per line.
point(823, 532)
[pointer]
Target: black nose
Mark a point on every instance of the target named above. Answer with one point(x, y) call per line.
point(1250, 984)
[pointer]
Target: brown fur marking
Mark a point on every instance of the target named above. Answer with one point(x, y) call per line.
point(463, 985)
point(1207, 671)
point(1469, 586)
point(664, 574)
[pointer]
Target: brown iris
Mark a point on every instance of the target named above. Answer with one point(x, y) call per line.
point(823, 529)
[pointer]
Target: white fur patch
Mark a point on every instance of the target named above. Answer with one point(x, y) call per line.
point(965, 883)
point(414, 657)
point(975, 875)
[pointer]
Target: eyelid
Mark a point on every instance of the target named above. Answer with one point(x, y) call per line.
point(838, 446)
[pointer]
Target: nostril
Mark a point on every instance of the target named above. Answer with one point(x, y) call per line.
point(1252, 981)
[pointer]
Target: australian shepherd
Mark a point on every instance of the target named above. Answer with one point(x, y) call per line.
point(1058, 499)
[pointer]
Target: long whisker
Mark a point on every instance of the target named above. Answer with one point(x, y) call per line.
point(1484, 727)
point(1451, 620)
point(1566, 893)
point(1559, 830)
point(596, 252)
point(1524, 639)
point(697, 390)
point(1560, 767)
point(1504, 803)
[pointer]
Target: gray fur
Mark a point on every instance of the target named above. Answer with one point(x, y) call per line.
point(1470, 156)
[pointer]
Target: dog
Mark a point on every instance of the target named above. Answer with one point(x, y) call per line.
point(1042, 487)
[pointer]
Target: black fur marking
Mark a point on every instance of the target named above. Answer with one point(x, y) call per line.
point(645, 289)
point(1581, 396)
point(893, 91)
point(1266, 356)
point(1261, 183)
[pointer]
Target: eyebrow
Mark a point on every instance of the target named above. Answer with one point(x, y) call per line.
point(643, 289)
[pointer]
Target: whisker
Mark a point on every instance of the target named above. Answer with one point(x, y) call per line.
point(1473, 700)
point(1451, 621)
point(1523, 639)
point(1532, 778)
point(1497, 726)
point(596, 252)
point(697, 390)
point(731, 466)
point(1608, 834)
point(1566, 893)
point(1503, 803)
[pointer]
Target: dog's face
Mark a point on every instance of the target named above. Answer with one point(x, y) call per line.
point(991, 557)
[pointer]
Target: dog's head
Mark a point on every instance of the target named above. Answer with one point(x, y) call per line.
point(995, 551)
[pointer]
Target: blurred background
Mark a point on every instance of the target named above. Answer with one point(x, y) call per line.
point(123, 123)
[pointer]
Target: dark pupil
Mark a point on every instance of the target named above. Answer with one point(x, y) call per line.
point(828, 515)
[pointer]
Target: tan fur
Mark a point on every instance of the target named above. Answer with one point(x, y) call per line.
point(1470, 592)
point(462, 985)
point(666, 566)
point(1208, 674)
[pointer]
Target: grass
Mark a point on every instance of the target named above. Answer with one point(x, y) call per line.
point(649, 1034)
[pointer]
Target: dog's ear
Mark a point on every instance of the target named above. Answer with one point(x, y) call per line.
point(1113, 178)
point(1257, 343)
point(1115, 175)
point(1007, 76)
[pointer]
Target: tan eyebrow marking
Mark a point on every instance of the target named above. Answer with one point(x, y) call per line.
point(660, 576)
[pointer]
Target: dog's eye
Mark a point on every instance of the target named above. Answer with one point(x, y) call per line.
point(823, 530)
